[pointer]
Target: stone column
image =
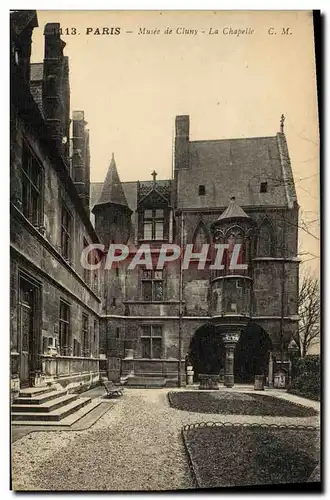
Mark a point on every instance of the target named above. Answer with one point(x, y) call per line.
point(229, 366)
point(270, 370)
point(230, 340)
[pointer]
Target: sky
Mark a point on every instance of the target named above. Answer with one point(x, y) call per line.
point(131, 86)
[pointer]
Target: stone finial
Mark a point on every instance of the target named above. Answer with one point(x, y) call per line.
point(282, 124)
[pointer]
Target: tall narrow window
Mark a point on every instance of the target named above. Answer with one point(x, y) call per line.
point(31, 186)
point(151, 341)
point(96, 258)
point(265, 242)
point(95, 339)
point(87, 272)
point(200, 236)
point(66, 232)
point(65, 334)
point(153, 224)
point(85, 339)
point(153, 285)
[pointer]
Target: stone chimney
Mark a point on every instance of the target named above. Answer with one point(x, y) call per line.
point(22, 23)
point(81, 157)
point(181, 142)
point(55, 88)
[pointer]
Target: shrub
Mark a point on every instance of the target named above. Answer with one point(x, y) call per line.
point(306, 377)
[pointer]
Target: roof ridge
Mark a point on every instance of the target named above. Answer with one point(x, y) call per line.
point(235, 139)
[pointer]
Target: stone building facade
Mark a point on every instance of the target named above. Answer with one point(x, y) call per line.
point(151, 319)
point(55, 304)
point(69, 325)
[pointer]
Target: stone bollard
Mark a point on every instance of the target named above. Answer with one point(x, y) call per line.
point(190, 375)
point(129, 353)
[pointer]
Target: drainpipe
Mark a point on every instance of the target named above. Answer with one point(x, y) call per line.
point(282, 291)
point(180, 301)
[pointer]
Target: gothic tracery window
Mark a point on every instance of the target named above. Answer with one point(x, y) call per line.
point(200, 237)
point(265, 242)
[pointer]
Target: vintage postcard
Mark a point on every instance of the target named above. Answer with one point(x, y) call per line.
point(164, 250)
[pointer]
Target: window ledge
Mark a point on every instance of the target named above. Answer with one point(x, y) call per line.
point(149, 359)
point(59, 356)
point(152, 302)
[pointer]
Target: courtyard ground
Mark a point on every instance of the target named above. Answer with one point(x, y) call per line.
point(136, 445)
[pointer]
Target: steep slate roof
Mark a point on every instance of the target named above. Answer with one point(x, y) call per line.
point(233, 211)
point(129, 188)
point(237, 166)
point(112, 190)
point(225, 167)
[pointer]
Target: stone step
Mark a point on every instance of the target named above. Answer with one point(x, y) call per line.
point(64, 422)
point(53, 416)
point(48, 406)
point(35, 391)
point(39, 400)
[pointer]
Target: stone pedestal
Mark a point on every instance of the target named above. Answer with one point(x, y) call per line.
point(129, 353)
point(190, 375)
point(270, 371)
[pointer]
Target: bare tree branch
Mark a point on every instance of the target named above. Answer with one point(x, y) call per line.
point(309, 312)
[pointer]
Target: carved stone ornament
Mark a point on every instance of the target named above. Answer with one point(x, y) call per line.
point(231, 337)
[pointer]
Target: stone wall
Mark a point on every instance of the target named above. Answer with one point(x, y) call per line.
point(36, 251)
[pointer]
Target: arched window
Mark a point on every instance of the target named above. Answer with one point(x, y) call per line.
point(265, 243)
point(234, 236)
point(201, 236)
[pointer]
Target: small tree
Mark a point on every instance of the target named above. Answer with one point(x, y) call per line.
point(309, 312)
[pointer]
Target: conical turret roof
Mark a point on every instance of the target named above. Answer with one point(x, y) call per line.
point(233, 211)
point(112, 191)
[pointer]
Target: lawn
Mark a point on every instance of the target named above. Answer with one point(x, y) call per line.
point(241, 456)
point(237, 403)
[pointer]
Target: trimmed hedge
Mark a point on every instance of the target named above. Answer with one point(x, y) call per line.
point(306, 377)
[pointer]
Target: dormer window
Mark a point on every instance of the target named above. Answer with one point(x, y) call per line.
point(263, 187)
point(153, 224)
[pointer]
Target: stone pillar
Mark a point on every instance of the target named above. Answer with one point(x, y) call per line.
point(190, 375)
point(229, 366)
point(129, 353)
point(230, 340)
point(270, 370)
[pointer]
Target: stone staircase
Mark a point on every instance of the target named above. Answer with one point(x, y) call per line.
point(48, 406)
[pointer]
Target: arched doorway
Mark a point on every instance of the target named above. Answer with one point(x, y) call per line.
point(252, 354)
point(207, 351)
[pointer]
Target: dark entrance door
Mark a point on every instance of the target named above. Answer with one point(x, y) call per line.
point(251, 354)
point(27, 326)
point(207, 352)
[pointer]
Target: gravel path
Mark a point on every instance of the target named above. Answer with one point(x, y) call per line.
point(135, 446)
